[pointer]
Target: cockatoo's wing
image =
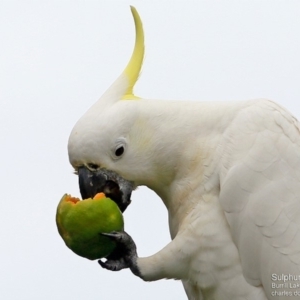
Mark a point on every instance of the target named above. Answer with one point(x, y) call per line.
point(260, 193)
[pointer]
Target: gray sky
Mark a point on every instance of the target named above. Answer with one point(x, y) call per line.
point(57, 58)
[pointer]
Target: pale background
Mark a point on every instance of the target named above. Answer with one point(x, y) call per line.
point(57, 58)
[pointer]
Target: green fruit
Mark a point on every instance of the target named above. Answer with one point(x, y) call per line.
point(80, 223)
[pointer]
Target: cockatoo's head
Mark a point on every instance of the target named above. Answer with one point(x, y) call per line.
point(105, 145)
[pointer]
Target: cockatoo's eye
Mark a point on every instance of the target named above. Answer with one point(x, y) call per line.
point(119, 151)
point(119, 148)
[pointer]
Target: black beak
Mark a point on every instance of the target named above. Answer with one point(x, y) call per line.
point(108, 182)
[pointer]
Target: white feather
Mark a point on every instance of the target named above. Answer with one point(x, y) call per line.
point(260, 191)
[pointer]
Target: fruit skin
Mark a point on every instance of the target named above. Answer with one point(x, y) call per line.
point(80, 223)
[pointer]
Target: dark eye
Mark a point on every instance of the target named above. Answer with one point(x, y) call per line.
point(92, 166)
point(119, 151)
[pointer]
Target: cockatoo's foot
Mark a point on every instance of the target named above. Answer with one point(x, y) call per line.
point(124, 256)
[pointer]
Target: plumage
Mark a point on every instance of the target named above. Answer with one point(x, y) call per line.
point(265, 175)
point(228, 173)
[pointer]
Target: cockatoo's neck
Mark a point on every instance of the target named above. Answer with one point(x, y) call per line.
point(174, 164)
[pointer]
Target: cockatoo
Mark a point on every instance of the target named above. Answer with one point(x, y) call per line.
point(227, 172)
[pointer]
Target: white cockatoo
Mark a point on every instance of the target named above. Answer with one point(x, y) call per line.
point(227, 172)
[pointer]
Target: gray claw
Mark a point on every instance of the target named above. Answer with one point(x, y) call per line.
point(114, 235)
point(124, 256)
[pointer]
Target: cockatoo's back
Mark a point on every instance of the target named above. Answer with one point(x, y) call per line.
point(259, 191)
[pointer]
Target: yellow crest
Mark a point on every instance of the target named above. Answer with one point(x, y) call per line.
point(134, 65)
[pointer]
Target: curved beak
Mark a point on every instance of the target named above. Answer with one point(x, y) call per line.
point(108, 182)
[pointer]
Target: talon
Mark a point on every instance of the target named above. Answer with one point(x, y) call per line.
point(114, 235)
point(111, 234)
point(101, 263)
